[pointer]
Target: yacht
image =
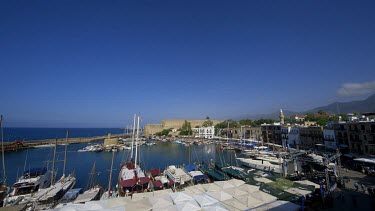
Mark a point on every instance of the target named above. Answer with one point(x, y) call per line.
point(29, 183)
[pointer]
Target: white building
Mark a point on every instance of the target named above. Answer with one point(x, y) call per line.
point(290, 136)
point(207, 132)
point(329, 138)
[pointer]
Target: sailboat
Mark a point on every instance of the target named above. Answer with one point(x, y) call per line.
point(130, 173)
point(93, 192)
point(110, 193)
point(47, 198)
point(3, 187)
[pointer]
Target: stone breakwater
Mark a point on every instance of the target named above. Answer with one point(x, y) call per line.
point(18, 145)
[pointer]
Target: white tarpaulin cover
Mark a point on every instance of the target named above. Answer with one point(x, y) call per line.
point(188, 206)
point(265, 197)
point(205, 200)
point(141, 205)
point(160, 201)
point(220, 195)
point(278, 206)
point(211, 187)
point(248, 188)
point(233, 205)
point(235, 191)
point(236, 182)
point(161, 192)
point(179, 197)
point(224, 184)
point(249, 201)
point(215, 207)
point(196, 189)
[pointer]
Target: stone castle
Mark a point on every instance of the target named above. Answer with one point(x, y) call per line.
point(151, 129)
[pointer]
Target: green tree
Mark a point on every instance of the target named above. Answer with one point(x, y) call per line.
point(321, 112)
point(245, 122)
point(322, 121)
point(310, 117)
point(186, 128)
point(208, 123)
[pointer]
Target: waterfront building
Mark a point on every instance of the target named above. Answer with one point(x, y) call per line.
point(290, 135)
point(271, 133)
point(176, 124)
point(361, 137)
point(249, 132)
point(329, 137)
point(206, 132)
point(298, 118)
point(311, 135)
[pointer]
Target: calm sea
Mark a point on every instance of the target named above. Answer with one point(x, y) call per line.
point(159, 156)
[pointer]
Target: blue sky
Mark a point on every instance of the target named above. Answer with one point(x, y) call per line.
point(95, 63)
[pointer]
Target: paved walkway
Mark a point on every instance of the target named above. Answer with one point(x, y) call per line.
point(354, 200)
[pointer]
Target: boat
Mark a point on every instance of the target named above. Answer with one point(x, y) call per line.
point(4, 189)
point(48, 198)
point(69, 197)
point(177, 175)
point(92, 148)
point(30, 182)
point(198, 176)
point(131, 173)
point(261, 165)
point(213, 173)
point(93, 192)
point(110, 193)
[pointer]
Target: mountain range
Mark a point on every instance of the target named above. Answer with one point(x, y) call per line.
point(359, 106)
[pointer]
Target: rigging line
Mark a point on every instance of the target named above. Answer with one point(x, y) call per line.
point(2, 148)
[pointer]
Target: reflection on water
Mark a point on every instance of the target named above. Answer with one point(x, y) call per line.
point(157, 156)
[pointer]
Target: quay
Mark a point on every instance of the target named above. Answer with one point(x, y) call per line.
point(26, 144)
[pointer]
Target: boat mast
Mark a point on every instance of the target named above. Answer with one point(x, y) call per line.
point(133, 135)
point(136, 143)
point(66, 147)
point(53, 163)
point(2, 148)
point(110, 175)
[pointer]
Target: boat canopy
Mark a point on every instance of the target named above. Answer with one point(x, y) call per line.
point(158, 184)
point(200, 177)
point(155, 172)
point(190, 167)
point(35, 172)
point(143, 180)
point(129, 183)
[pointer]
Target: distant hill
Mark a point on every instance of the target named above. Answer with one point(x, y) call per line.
point(360, 106)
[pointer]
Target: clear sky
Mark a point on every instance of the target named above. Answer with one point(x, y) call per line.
point(77, 63)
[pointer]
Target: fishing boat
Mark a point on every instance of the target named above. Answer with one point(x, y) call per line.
point(131, 173)
point(213, 173)
point(198, 176)
point(4, 189)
